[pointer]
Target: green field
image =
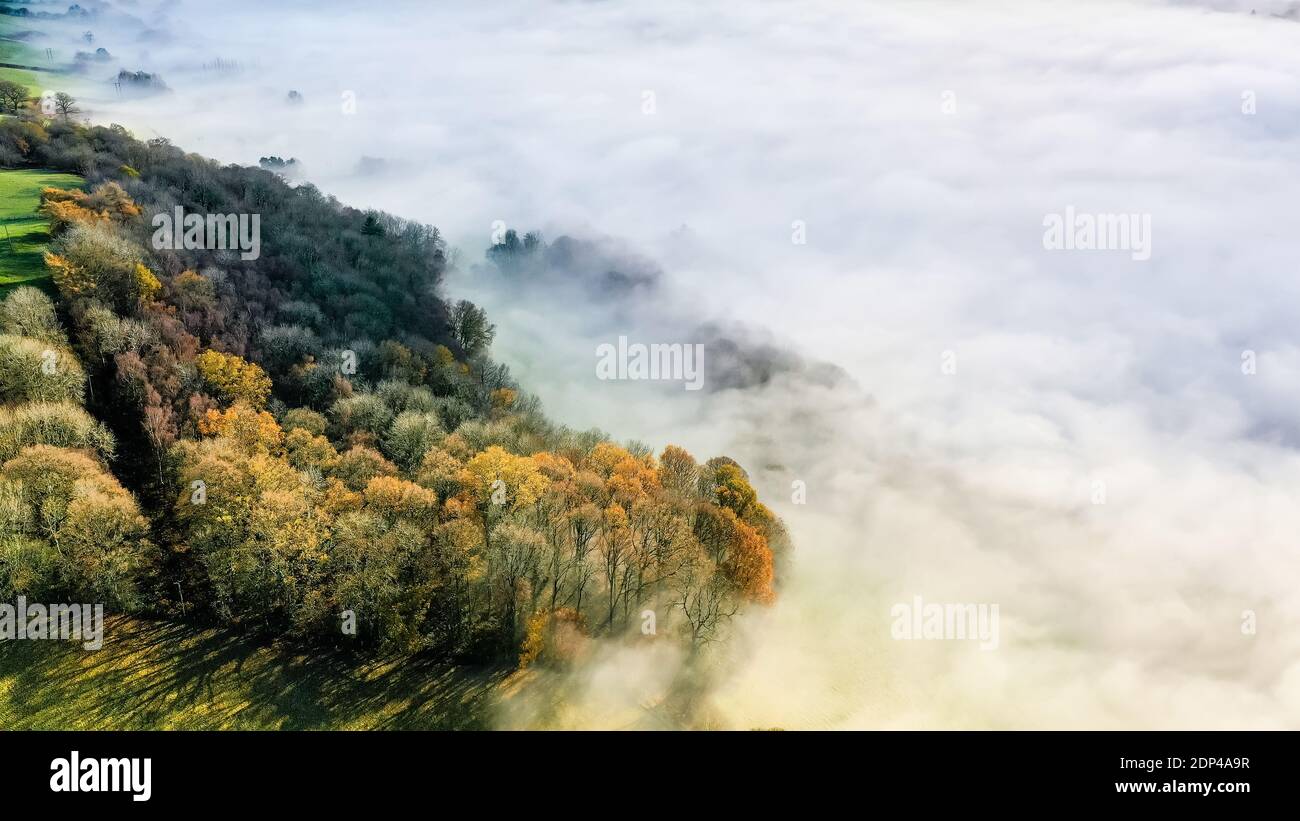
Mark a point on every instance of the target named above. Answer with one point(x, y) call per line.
point(21, 54)
point(23, 233)
point(160, 675)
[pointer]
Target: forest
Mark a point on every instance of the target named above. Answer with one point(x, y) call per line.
point(317, 444)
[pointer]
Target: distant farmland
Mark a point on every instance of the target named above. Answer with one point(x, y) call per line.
point(15, 58)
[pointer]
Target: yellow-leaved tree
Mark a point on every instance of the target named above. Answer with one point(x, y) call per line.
point(233, 378)
point(498, 483)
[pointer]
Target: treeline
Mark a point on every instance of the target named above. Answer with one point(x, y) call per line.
point(316, 443)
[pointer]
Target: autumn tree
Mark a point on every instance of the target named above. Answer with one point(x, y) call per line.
point(102, 334)
point(107, 203)
point(518, 553)
point(584, 522)
point(500, 483)
point(70, 530)
point(310, 453)
point(553, 507)
point(28, 312)
point(60, 424)
point(92, 260)
point(253, 431)
point(615, 547)
point(254, 527)
point(305, 418)
point(376, 574)
point(410, 437)
point(361, 418)
point(359, 464)
point(33, 370)
point(232, 378)
point(726, 484)
point(739, 551)
point(192, 291)
point(328, 434)
point(679, 472)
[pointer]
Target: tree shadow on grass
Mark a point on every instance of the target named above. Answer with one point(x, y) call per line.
point(156, 675)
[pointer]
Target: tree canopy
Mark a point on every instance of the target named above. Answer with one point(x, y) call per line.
point(317, 443)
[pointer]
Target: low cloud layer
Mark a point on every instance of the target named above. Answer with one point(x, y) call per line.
point(991, 388)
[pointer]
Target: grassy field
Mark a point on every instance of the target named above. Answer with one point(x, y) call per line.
point(21, 54)
point(23, 233)
point(159, 675)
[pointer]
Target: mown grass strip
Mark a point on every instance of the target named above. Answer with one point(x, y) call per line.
point(24, 234)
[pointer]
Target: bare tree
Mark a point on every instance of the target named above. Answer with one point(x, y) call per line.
point(614, 548)
point(583, 521)
point(65, 104)
point(705, 599)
